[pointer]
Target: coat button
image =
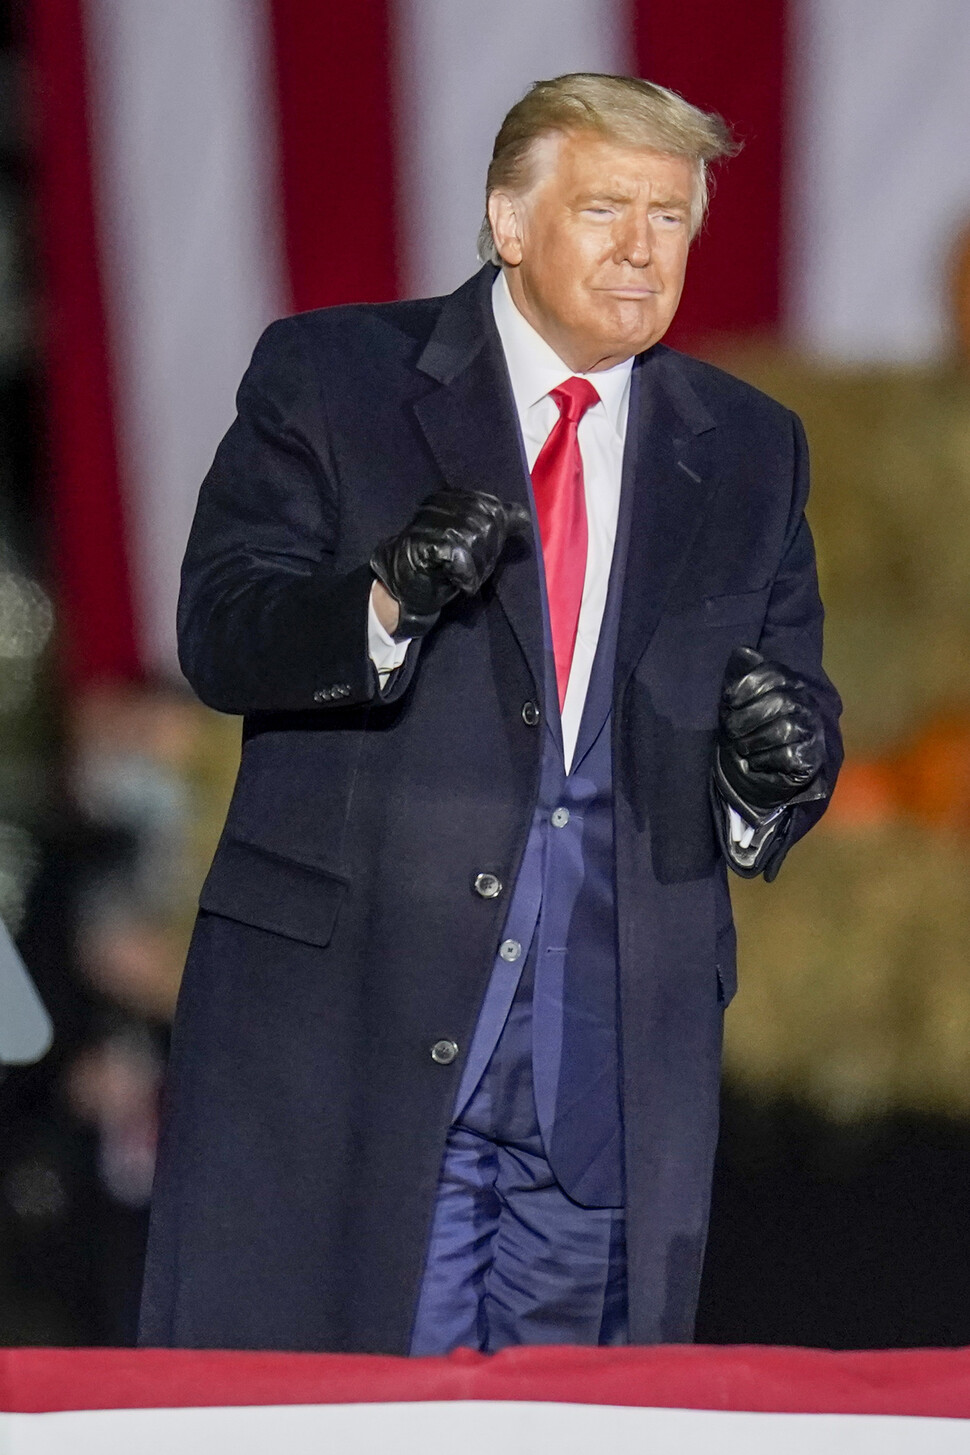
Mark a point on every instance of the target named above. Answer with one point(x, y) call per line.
point(489, 886)
point(323, 694)
point(510, 950)
point(560, 817)
point(444, 1052)
point(530, 713)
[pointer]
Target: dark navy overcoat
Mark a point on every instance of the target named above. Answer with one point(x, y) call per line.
point(340, 935)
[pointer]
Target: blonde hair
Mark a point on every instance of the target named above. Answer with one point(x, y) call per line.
point(623, 109)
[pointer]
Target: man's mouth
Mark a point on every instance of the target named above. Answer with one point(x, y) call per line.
point(632, 292)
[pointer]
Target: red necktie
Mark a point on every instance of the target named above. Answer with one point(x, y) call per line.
point(557, 484)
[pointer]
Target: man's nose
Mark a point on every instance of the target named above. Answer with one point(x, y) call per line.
point(636, 242)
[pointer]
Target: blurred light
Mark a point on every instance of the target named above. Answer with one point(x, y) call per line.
point(35, 1191)
point(26, 620)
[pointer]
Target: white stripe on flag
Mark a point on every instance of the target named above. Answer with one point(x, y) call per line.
point(182, 151)
point(460, 65)
point(881, 170)
point(474, 1428)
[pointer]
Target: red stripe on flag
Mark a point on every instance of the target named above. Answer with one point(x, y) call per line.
point(333, 66)
point(86, 519)
point(731, 59)
point(928, 1382)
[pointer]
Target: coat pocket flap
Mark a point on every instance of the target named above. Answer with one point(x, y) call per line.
point(739, 609)
point(258, 887)
point(742, 607)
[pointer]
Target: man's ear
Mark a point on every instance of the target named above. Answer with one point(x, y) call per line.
point(506, 223)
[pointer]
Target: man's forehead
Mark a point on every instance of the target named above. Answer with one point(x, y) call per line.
point(586, 159)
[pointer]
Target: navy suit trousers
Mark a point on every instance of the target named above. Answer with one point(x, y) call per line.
point(512, 1259)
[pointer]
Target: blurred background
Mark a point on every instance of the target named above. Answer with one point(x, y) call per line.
point(173, 176)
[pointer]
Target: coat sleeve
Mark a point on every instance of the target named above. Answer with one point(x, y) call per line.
point(264, 621)
point(792, 635)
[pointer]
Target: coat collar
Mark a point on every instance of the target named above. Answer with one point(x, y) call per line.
point(458, 334)
point(470, 425)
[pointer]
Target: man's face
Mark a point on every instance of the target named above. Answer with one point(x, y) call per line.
point(595, 251)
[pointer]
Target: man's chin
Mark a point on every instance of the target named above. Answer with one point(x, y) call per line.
point(620, 345)
point(631, 329)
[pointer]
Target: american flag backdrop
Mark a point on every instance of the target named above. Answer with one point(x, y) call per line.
point(206, 165)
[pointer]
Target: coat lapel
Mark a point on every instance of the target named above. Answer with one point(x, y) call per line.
point(471, 429)
point(674, 484)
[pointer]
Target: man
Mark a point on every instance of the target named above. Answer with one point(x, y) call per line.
point(476, 570)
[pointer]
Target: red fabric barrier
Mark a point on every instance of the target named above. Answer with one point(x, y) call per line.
point(795, 1381)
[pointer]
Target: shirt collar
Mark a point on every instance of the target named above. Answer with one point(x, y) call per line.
point(535, 368)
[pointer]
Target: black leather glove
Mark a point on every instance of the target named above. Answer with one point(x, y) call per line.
point(451, 546)
point(771, 741)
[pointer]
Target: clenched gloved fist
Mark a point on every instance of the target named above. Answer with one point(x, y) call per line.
point(771, 743)
point(451, 546)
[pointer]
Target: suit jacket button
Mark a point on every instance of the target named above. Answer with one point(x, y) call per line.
point(444, 1052)
point(341, 690)
point(323, 694)
point(530, 713)
point(489, 886)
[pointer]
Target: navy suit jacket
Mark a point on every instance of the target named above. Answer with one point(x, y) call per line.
point(340, 933)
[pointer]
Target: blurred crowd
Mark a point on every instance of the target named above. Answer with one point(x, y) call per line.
point(105, 896)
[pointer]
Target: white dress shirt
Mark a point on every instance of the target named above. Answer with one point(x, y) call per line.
point(534, 370)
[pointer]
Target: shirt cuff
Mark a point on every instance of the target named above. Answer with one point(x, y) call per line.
point(746, 840)
point(739, 830)
point(386, 654)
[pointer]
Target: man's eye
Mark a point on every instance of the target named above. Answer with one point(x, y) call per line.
point(670, 219)
point(600, 211)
